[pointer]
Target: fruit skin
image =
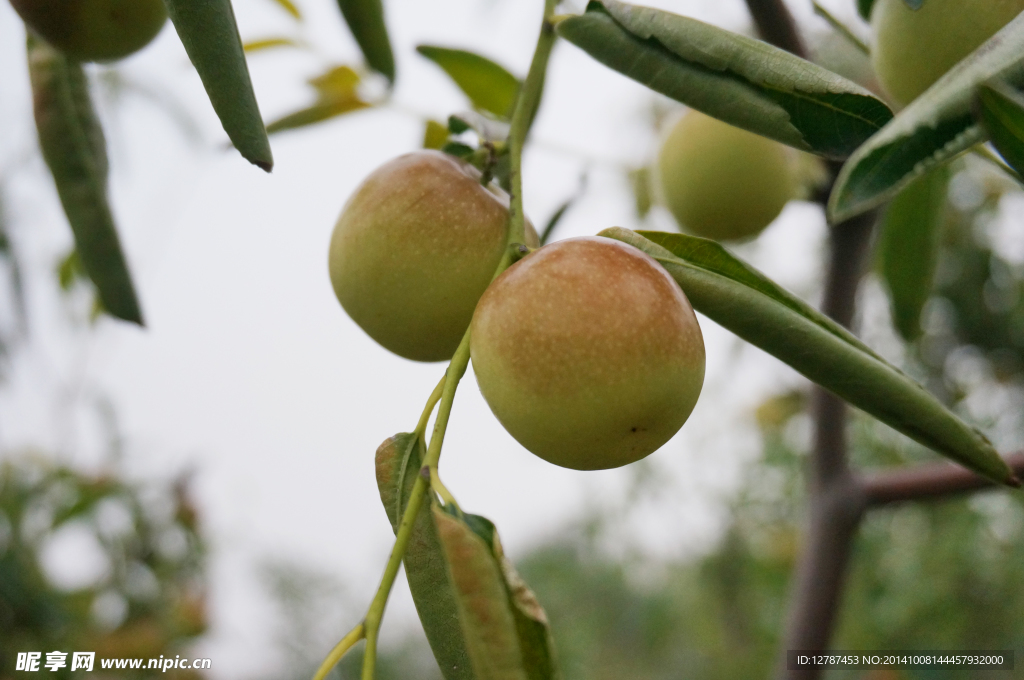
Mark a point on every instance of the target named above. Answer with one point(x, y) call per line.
point(94, 30)
point(414, 249)
point(722, 182)
point(914, 48)
point(588, 353)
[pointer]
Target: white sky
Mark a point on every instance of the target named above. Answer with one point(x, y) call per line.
point(250, 372)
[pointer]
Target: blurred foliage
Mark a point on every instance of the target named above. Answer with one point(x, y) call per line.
point(150, 598)
point(978, 301)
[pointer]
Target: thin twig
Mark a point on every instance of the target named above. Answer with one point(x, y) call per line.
point(929, 482)
point(841, 28)
point(522, 119)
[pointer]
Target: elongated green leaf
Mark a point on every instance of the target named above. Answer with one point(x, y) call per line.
point(505, 628)
point(908, 248)
point(365, 18)
point(398, 463)
point(864, 7)
point(1001, 110)
point(72, 143)
point(744, 301)
point(488, 85)
point(935, 128)
point(481, 619)
point(739, 80)
point(488, 625)
point(207, 30)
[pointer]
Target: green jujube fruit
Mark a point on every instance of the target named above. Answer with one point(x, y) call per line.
point(414, 249)
point(914, 48)
point(721, 182)
point(588, 353)
point(94, 30)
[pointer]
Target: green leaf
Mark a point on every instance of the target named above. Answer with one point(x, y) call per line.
point(864, 7)
point(908, 248)
point(489, 86)
point(398, 463)
point(488, 625)
point(456, 125)
point(365, 18)
point(435, 135)
point(742, 81)
point(458, 149)
point(1001, 111)
point(207, 30)
point(481, 619)
point(72, 143)
point(506, 630)
point(744, 301)
point(935, 128)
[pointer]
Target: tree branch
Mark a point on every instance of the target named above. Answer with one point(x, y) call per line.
point(928, 482)
point(836, 502)
point(776, 25)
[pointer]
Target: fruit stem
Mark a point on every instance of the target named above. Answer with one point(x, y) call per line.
point(841, 28)
point(522, 118)
point(340, 649)
point(435, 396)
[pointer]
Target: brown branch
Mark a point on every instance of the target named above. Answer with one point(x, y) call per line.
point(836, 502)
point(776, 25)
point(929, 482)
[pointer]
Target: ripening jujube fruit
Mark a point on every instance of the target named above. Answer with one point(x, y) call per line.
point(588, 353)
point(94, 30)
point(914, 48)
point(722, 182)
point(413, 250)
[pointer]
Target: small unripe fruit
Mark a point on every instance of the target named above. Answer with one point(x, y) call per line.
point(94, 30)
point(414, 249)
point(722, 182)
point(588, 353)
point(914, 48)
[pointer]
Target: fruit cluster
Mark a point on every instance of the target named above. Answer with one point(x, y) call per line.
point(586, 350)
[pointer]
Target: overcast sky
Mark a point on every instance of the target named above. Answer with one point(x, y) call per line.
point(248, 370)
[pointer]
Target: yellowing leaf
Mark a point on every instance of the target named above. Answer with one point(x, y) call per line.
point(269, 43)
point(435, 135)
